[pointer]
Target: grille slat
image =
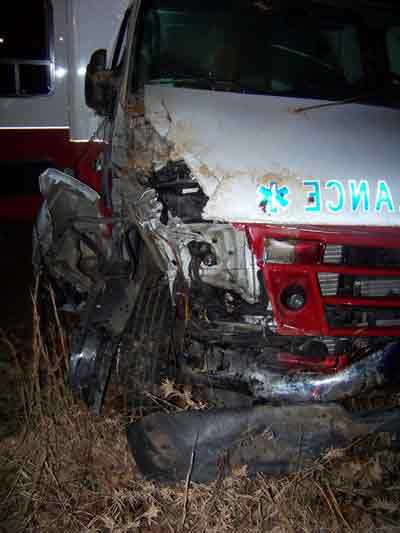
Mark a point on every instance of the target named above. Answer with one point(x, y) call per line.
point(364, 286)
point(333, 254)
point(361, 286)
point(377, 288)
point(329, 283)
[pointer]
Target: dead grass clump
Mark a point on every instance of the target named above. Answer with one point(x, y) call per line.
point(67, 470)
point(74, 473)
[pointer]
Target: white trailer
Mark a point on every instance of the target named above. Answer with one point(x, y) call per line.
point(45, 46)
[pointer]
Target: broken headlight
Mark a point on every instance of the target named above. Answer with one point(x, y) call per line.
point(292, 251)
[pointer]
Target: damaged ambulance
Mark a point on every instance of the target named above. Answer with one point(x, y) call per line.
point(246, 240)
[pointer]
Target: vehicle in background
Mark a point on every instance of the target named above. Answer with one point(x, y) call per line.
point(252, 249)
point(44, 121)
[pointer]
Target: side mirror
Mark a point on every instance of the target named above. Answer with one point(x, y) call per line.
point(99, 84)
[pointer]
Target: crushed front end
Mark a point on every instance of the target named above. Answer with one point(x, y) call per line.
point(323, 310)
point(252, 251)
point(240, 312)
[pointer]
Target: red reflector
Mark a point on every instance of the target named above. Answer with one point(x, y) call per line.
point(308, 252)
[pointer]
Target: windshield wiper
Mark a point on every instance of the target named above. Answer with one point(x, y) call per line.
point(358, 98)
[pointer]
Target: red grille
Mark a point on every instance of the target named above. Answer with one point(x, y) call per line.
point(313, 318)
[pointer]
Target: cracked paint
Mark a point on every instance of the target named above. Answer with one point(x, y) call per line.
point(235, 144)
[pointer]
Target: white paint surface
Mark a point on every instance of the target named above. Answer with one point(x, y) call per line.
point(236, 142)
point(93, 24)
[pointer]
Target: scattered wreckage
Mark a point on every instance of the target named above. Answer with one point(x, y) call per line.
point(246, 237)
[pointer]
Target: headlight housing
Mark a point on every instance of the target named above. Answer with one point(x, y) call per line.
point(289, 252)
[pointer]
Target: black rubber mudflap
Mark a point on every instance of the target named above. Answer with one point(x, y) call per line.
point(145, 354)
point(273, 440)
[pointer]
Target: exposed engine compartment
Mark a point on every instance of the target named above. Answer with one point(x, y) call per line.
point(228, 290)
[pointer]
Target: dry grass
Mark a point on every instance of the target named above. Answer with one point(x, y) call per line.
point(67, 470)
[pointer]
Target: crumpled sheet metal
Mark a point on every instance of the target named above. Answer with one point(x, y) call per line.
point(52, 177)
point(53, 186)
point(68, 215)
point(379, 369)
point(267, 439)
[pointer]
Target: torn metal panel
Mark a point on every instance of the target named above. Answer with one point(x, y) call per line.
point(248, 149)
point(70, 236)
point(273, 440)
point(52, 177)
point(167, 201)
